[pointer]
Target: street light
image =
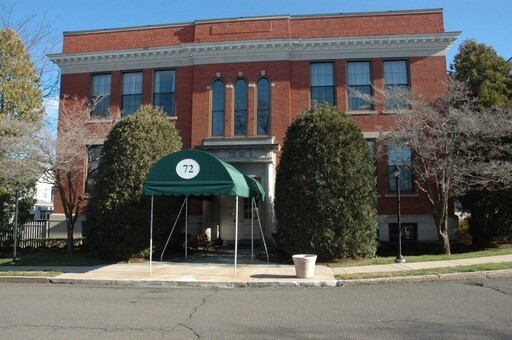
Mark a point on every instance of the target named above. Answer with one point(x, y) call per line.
point(17, 188)
point(399, 258)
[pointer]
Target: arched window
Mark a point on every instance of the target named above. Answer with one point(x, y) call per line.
point(218, 105)
point(240, 107)
point(263, 109)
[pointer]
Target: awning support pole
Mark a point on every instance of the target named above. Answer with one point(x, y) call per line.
point(186, 227)
point(172, 230)
point(236, 231)
point(261, 231)
point(151, 239)
point(252, 229)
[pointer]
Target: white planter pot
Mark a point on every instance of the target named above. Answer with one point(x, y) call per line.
point(304, 265)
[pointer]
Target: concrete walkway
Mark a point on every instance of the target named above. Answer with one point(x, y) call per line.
point(212, 273)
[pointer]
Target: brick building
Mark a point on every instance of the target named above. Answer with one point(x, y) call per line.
point(233, 86)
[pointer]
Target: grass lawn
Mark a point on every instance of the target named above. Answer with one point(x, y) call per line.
point(47, 257)
point(421, 258)
point(432, 271)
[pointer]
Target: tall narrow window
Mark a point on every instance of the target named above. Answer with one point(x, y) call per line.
point(263, 88)
point(396, 80)
point(322, 83)
point(359, 82)
point(400, 157)
point(100, 95)
point(240, 107)
point(163, 90)
point(218, 104)
point(93, 160)
point(132, 93)
point(371, 148)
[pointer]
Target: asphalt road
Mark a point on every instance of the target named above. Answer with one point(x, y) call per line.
point(424, 311)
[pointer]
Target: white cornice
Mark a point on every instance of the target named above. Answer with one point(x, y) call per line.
point(258, 50)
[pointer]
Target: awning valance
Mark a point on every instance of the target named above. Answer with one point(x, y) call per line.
point(198, 173)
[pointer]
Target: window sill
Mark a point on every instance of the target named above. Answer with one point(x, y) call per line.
point(99, 120)
point(172, 117)
point(402, 195)
point(362, 112)
point(393, 112)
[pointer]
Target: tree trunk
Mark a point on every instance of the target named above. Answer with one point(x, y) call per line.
point(441, 219)
point(70, 238)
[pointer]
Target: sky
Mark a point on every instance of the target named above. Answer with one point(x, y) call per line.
point(486, 21)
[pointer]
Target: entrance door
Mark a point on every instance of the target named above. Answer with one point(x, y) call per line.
point(227, 211)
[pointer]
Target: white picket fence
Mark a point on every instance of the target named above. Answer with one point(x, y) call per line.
point(31, 234)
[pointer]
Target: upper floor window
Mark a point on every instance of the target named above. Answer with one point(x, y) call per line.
point(396, 80)
point(163, 90)
point(263, 109)
point(359, 82)
point(400, 158)
point(100, 95)
point(218, 106)
point(240, 107)
point(322, 83)
point(131, 93)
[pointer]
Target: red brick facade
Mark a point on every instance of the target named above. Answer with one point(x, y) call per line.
point(278, 48)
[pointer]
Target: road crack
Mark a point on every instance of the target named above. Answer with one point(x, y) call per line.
point(478, 284)
point(191, 315)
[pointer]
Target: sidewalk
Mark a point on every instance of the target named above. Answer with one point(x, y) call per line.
point(203, 272)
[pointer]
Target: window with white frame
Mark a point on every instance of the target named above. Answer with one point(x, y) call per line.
point(100, 95)
point(131, 93)
point(359, 83)
point(218, 107)
point(396, 81)
point(322, 83)
point(263, 108)
point(163, 90)
point(240, 107)
point(400, 158)
point(93, 160)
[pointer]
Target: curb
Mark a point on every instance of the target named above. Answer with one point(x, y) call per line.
point(194, 284)
point(24, 279)
point(453, 277)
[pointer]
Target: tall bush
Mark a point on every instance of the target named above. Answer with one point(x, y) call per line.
point(118, 215)
point(325, 200)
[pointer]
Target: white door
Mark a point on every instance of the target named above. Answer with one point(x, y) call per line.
point(227, 212)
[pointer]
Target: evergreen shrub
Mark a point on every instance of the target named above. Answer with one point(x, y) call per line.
point(325, 200)
point(118, 216)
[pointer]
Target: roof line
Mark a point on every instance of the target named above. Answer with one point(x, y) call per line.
point(263, 17)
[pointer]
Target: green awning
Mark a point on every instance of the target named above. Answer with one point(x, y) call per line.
point(198, 173)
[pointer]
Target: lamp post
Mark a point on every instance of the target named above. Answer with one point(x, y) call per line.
point(17, 188)
point(399, 258)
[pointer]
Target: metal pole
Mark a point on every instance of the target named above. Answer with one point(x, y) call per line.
point(261, 231)
point(186, 227)
point(252, 229)
point(172, 230)
point(151, 239)
point(399, 258)
point(236, 230)
point(15, 223)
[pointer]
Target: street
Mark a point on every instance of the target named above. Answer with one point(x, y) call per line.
point(430, 310)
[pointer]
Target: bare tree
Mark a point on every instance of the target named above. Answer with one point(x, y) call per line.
point(456, 148)
point(66, 157)
point(61, 160)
